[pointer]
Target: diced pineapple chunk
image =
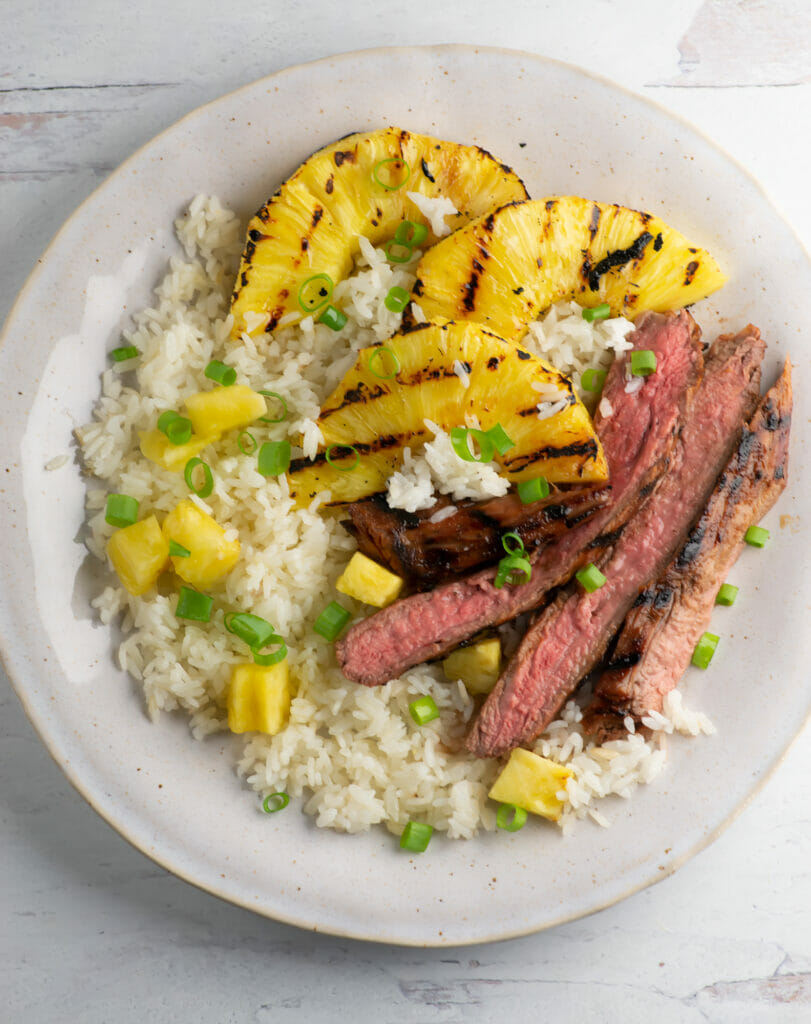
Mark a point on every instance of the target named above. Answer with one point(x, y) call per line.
point(531, 782)
point(214, 412)
point(211, 554)
point(478, 666)
point(369, 582)
point(259, 698)
point(157, 447)
point(138, 553)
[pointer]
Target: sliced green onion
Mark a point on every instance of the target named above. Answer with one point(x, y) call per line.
point(705, 648)
point(122, 510)
point(460, 440)
point(275, 656)
point(643, 362)
point(396, 299)
point(176, 427)
point(121, 355)
point(597, 312)
point(756, 536)
point(333, 318)
point(593, 380)
point(253, 629)
point(416, 837)
point(510, 817)
point(221, 373)
point(331, 621)
point(315, 292)
point(535, 489)
point(398, 253)
point(590, 578)
point(275, 802)
point(243, 434)
point(423, 710)
point(501, 441)
point(208, 479)
point(177, 550)
point(279, 419)
point(410, 234)
point(191, 604)
point(377, 356)
point(513, 569)
point(274, 458)
point(395, 169)
point(726, 595)
point(516, 545)
point(332, 459)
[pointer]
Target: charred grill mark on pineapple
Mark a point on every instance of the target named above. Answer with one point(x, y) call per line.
point(380, 444)
point(426, 171)
point(360, 395)
point(470, 286)
point(658, 242)
point(618, 258)
point(586, 450)
point(690, 271)
point(594, 223)
point(330, 184)
point(345, 156)
point(493, 362)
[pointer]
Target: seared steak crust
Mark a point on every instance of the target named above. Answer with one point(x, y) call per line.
point(661, 630)
point(637, 436)
point(571, 635)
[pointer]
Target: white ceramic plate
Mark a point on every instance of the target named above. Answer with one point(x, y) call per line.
point(180, 801)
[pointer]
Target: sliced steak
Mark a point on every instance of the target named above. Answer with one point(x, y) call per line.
point(662, 629)
point(636, 436)
point(571, 635)
point(448, 540)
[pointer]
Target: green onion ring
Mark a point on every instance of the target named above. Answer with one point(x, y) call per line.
point(460, 441)
point(275, 656)
point(346, 447)
point(385, 163)
point(396, 252)
point(519, 544)
point(511, 817)
point(508, 567)
point(378, 354)
point(275, 802)
point(253, 629)
point(315, 292)
point(500, 438)
point(208, 478)
point(284, 415)
point(410, 234)
point(246, 451)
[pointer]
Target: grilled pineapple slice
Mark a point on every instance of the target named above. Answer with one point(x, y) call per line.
point(379, 411)
point(506, 268)
point(311, 225)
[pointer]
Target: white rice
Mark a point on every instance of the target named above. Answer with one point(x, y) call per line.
point(351, 755)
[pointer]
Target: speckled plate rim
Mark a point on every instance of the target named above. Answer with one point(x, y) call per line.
point(41, 725)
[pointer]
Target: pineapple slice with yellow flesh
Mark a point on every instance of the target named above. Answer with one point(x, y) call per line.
point(532, 782)
point(138, 553)
point(259, 698)
point(380, 415)
point(211, 554)
point(369, 582)
point(506, 268)
point(478, 666)
point(311, 225)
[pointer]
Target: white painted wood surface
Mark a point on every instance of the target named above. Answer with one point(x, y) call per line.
point(90, 930)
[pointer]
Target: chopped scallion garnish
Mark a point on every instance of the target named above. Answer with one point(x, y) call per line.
point(331, 621)
point(510, 817)
point(597, 312)
point(512, 543)
point(590, 578)
point(274, 657)
point(423, 710)
point(122, 510)
point(333, 318)
point(274, 458)
point(501, 441)
point(592, 380)
point(121, 355)
point(191, 604)
point(705, 649)
point(410, 234)
point(247, 442)
point(190, 472)
point(391, 173)
point(315, 292)
point(756, 536)
point(396, 299)
point(396, 252)
point(513, 569)
point(253, 629)
point(177, 550)
point(726, 595)
point(176, 427)
point(275, 802)
point(460, 441)
point(381, 355)
point(535, 489)
point(336, 452)
point(221, 373)
point(278, 397)
point(643, 362)
point(416, 837)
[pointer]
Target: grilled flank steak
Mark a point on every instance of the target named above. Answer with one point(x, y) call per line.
point(661, 631)
point(311, 225)
point(636, 438)
point(504, 269)
point(571, 634)
point(426, 550)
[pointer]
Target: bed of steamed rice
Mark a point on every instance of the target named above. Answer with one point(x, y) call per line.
point(351, 755)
